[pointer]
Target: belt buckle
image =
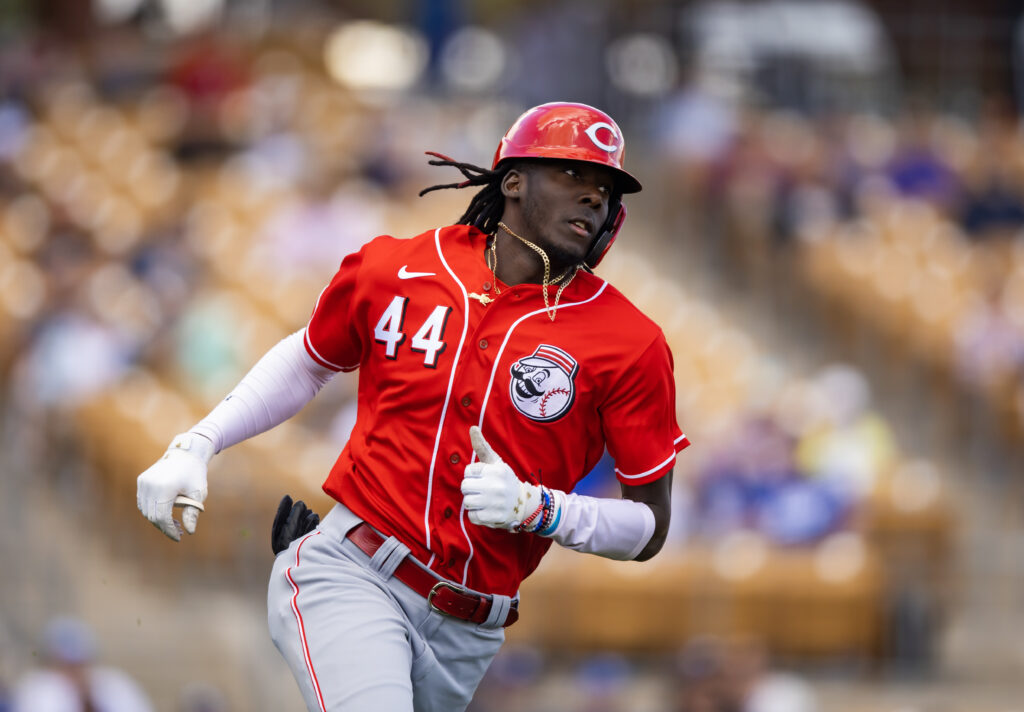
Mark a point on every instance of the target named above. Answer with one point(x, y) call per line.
point(433, 592)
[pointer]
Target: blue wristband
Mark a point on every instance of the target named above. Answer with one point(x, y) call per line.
point(546, 502)
point(550, 529)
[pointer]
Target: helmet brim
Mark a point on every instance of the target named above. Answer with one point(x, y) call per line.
point(624, 181)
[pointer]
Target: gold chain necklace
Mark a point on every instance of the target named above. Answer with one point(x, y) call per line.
point(570, 272)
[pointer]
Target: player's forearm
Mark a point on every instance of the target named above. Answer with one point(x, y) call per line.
point(658, 496)
point(283, 381)
point(613, 528)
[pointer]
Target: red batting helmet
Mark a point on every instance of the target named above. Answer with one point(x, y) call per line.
point(575, 132)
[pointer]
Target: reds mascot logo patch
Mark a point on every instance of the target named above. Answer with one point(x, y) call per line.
point(542, 386)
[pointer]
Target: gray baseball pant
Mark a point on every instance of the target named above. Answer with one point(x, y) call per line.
point(358, 639)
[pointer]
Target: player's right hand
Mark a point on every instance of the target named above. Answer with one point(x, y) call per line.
point(179, 477)
point(491, 492)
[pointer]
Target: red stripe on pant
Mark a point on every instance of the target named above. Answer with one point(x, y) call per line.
point(302, 628)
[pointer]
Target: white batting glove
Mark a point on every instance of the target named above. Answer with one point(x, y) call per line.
point(176, 479)
point(492, 493)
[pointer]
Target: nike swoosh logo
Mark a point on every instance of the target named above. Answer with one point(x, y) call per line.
point(404, 273)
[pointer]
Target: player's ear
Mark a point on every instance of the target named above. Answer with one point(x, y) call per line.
point(512, 183)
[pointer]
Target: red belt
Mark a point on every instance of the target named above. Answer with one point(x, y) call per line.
point(443, 596)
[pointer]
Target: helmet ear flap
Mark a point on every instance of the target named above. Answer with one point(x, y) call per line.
point(610, 229)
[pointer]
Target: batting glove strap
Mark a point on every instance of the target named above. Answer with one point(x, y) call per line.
point(193, 444)
point(544, 519)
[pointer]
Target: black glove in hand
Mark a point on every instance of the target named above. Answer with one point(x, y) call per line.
point(291, 521)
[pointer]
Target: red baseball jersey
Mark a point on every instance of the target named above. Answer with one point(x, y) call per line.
point(434, 359)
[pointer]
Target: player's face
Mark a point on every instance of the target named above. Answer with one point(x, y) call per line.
point(564, 204)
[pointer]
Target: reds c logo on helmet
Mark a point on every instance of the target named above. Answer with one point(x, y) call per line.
point(543, 384)
point(614, 138)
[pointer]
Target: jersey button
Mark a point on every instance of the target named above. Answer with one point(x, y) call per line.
point(483, 343)
point(454, 458)
point(448, 512)
point(487, 286)
point(467, 401)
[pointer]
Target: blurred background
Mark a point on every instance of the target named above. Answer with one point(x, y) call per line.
point(829, 235)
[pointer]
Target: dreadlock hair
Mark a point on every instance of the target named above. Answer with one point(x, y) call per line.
point(486, 207)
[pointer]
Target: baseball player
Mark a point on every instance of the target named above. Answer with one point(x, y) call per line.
point(495, 368)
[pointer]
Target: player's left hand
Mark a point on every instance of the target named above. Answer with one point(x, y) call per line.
point(492, 493)
point(293, 519)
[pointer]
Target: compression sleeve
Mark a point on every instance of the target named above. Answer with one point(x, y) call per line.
point(612, 528)
point(284, 380)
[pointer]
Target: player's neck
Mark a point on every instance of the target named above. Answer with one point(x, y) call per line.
point(514, 262)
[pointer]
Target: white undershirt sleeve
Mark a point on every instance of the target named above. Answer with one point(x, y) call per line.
point(612, 528)
point(284, 380)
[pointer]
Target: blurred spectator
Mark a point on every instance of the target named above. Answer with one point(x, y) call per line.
point(71, 358)
point(207, 70)
point(993, 203)
point(327, 222)
point(698, 678)
point(570, 35)
point(603, 679)
point(741, 477)
point(695, 129)
point(781, 692)
point(72, 680)
point(511, 680)
point(989, 345)
point(697, 124)
point(917, 169)
point(715, 675)
point(14, 124)
point(809, 194)
point(86, 336)
point(199, 697)
point(209, 357)
point(437, 20)
point(67, 28)
point(849, 445)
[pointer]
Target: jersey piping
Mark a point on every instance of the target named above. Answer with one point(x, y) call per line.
point(657, 467)
point(447, 395)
